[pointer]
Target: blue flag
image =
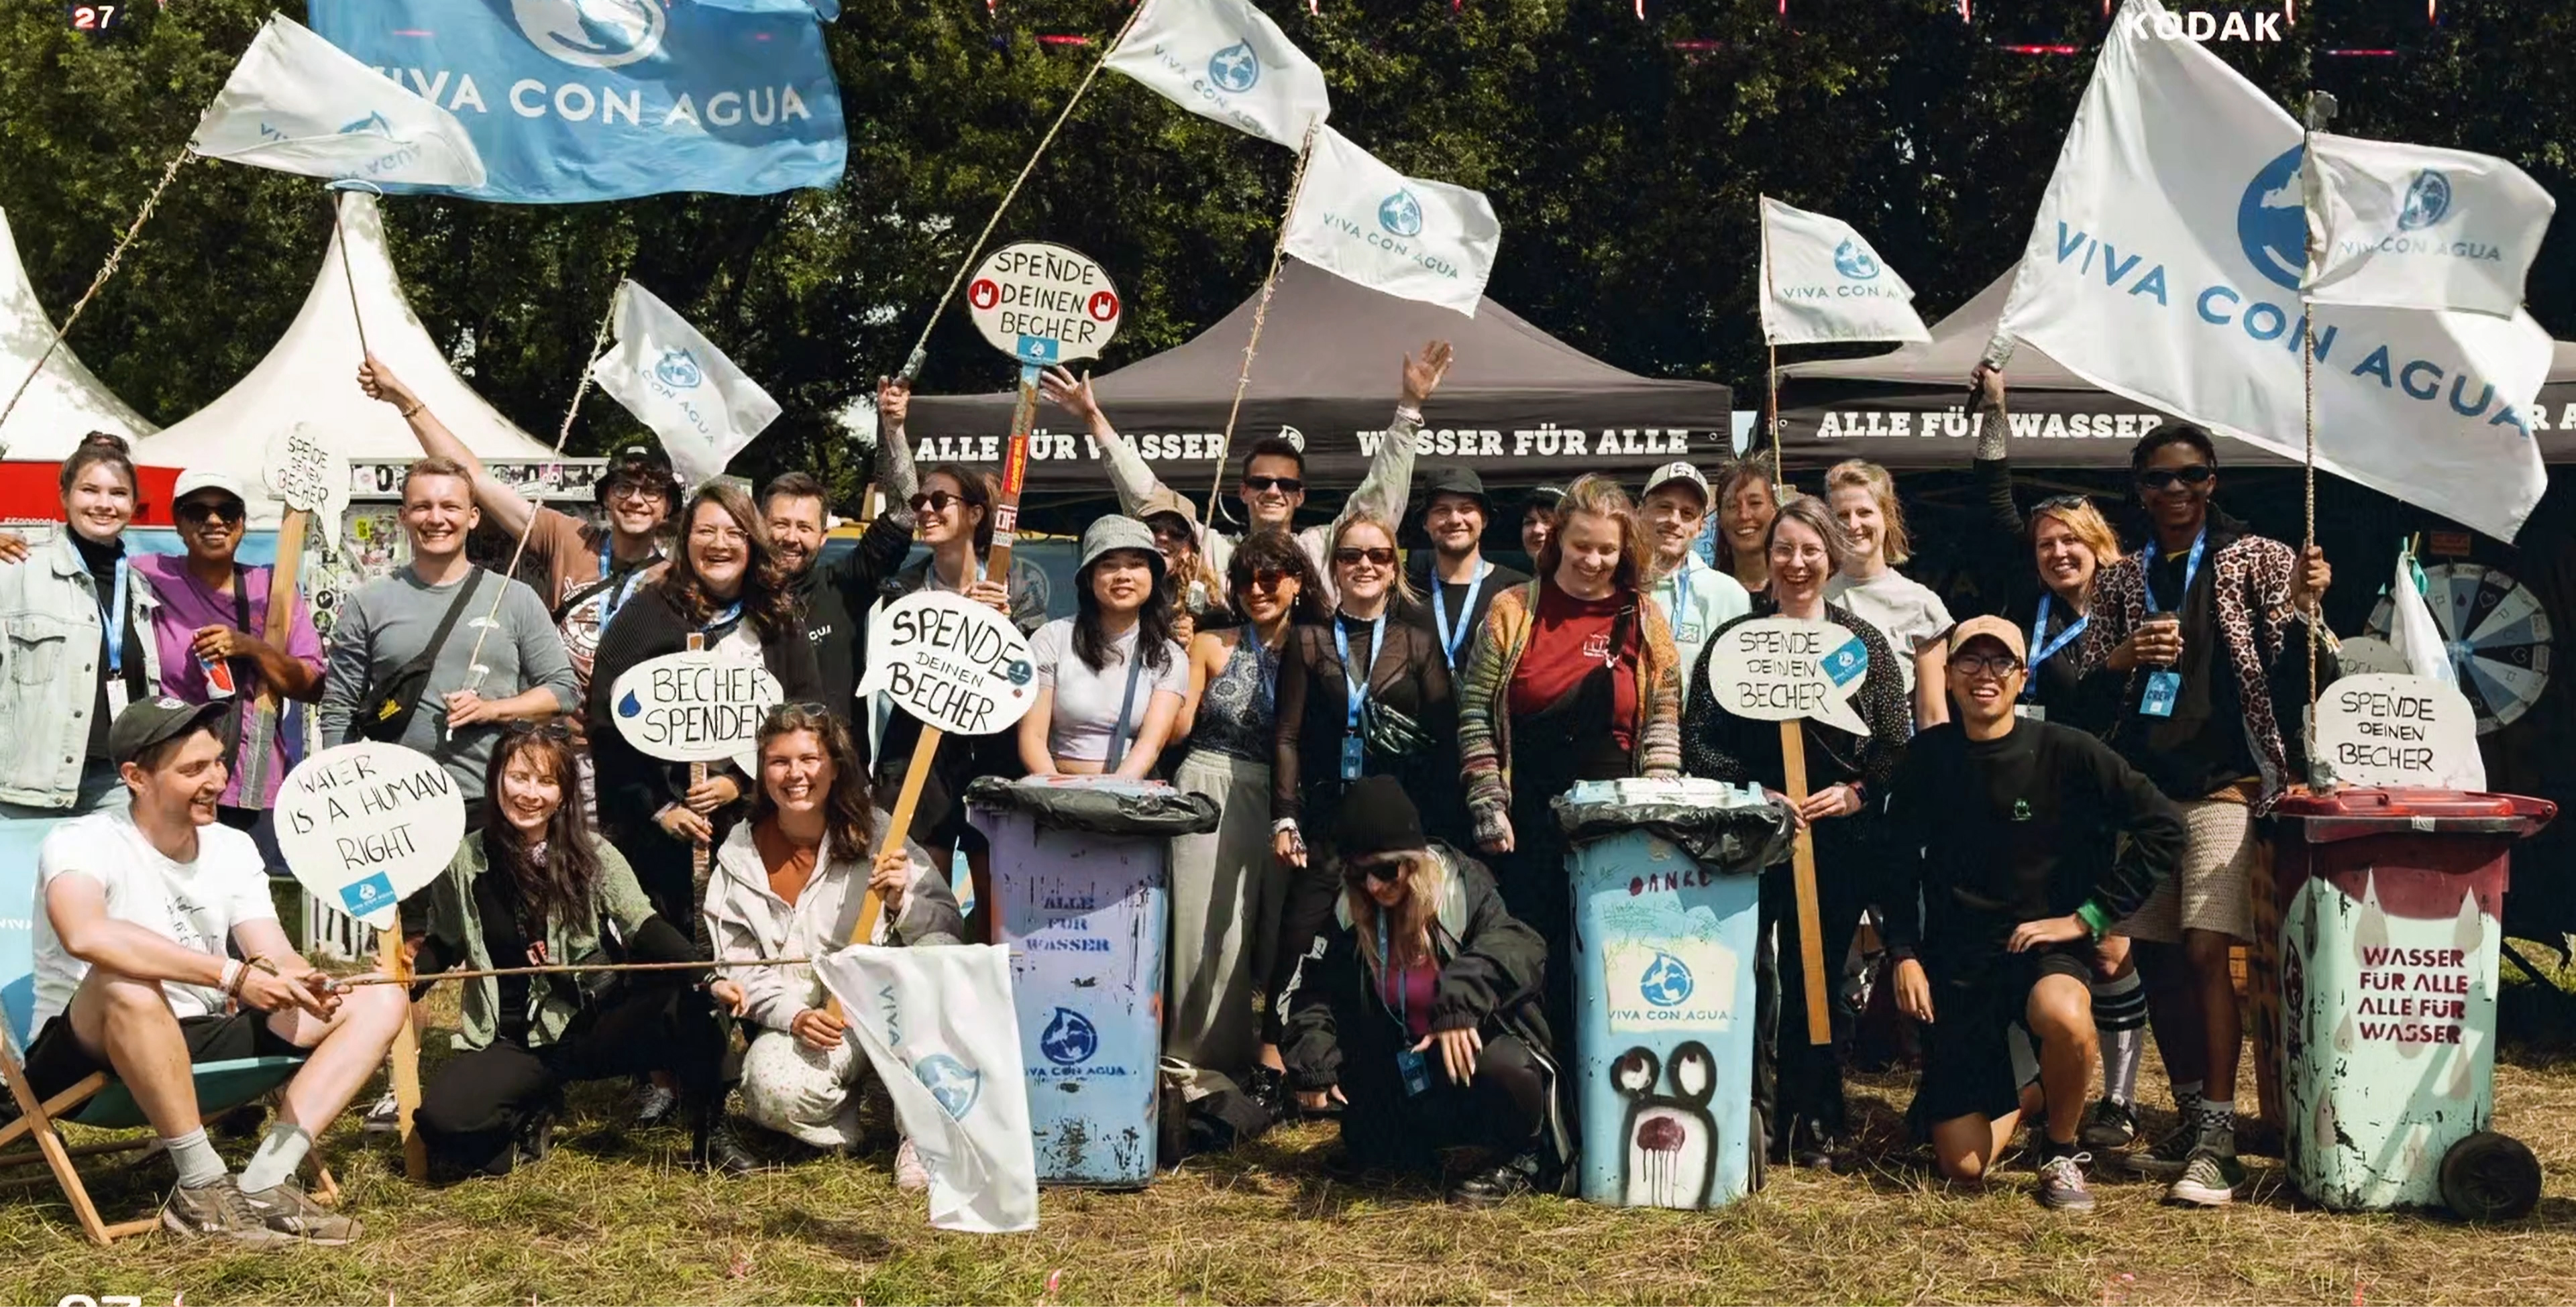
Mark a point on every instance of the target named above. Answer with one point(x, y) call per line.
point(571, 101)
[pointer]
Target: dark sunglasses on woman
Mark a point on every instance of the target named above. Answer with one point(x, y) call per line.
point(1364, 873)
point(1349, 555)
point(935, 501)
point(1264, 578)
point(2166, 478)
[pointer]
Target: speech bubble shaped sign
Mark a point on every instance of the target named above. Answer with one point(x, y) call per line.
point(953, 663)
point(1780, 669)
point(1042, 303)
point(2381, 728)
point(366, 825)
point(698, 705)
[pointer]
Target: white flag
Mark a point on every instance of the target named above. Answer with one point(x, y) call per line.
point(1224, 59)
point(2165, 267)
point(938, 1025)
point(298, 104)
point(691, 395)
point(2416, 227)
point(1821, 282)
point(1355, 217)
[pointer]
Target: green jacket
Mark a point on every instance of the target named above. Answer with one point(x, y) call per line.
point(553, 1001)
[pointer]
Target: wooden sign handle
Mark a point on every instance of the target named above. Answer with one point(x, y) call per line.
point(897, 830)
point(279, 619)
point(701, 866)
point(1811, 940)
point(1015, 477)
point(406, 1063)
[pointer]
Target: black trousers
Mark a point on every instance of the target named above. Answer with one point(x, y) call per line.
point(1792, 1078)
point(472, 1111)
point(1501, 1109)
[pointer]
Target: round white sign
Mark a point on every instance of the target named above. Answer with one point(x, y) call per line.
point(366, 825)
point(1779, 669)
point(698, 705)
point(2381, 728)
point(1043, 303)
point(953, 663)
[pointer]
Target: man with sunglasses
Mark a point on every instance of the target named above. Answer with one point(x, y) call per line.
point(2018, 843)
point(209, 617)
point(2202, 637)
point(1274, 472)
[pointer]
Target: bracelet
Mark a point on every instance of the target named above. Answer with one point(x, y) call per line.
point(233, 973)
point(409, 413)
point(1283, 824)
point(2095, 919)
point(1408, 413)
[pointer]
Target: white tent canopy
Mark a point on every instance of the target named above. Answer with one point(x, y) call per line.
point(65, 402)
point(311, 378)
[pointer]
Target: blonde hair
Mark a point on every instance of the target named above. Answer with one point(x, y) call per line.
point(1401, 587)
point(1601, 496)
point(1810, 512)
point(1858, 474)
point(2085, 521)
point(1410, 923)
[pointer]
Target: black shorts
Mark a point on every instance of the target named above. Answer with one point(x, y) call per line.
point(56, 1061)
point(1967, 1050)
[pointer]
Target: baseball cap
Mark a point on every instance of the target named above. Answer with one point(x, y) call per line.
point(193, 480)
point(147, 722)
point(1671, 472)
point(1992, 627)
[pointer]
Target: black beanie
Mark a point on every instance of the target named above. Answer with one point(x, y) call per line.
point(1377, 817)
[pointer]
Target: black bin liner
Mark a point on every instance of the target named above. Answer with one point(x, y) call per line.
point(1103, 808)
point(1721, 827)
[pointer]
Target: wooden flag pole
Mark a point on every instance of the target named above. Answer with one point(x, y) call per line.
point(1811, 939)
point(1260, 315)
point(105, 271)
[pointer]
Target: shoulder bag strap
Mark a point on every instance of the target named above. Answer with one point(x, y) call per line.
point(1118, 734)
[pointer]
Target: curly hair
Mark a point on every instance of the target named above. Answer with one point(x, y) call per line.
point(1601, 496)
point(769, 600)
point(1272, 549)
point(849, 813)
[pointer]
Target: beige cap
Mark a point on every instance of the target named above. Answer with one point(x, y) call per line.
point(1994, 627)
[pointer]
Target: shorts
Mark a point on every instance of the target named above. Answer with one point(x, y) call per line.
point(56, 1061)
point(1971, 1062)
point(2212, 889)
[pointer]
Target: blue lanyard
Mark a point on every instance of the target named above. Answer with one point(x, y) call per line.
point(2190, 570)
point(731, 614)
point(1681, 591)
point(615, 599)
point(1358, 684)
point(1386, 975)
point(2038, 629)
point(112, 615)
point(1466, 615)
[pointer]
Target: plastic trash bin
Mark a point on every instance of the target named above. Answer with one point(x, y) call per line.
point(1079, 870)
point(2391, 916)
point(1666, 883)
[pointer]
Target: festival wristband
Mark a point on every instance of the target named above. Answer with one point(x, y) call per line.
point(1409, 413)
point(2094, 919)
point(233, 973)
point(1283, 824)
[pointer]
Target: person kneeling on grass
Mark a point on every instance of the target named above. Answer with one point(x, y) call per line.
point(790, 883)
point(132, 977)
point(2006, 880)
point(1424, 1009)
point(534, 887)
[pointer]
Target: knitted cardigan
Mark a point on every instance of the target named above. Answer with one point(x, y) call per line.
point(1485, 714)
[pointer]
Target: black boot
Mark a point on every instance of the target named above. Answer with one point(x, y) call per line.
point(712, 1145)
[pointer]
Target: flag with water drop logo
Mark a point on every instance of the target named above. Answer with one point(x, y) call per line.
point(1821, 282)
point(2418, 227)
point(1359, 219)
point(296, 104)
point(1225, 60)
point(685, 389)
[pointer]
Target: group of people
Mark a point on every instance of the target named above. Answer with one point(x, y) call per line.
point(2047, 826)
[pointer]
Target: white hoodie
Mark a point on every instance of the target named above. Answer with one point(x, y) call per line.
point(748, 921)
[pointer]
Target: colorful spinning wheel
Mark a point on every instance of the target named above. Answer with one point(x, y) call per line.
point(2498, 637)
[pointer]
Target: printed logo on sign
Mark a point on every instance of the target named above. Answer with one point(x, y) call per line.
point(679, 370)
point(1069, 1039)
point(1667, 982)
point(1400, 214)
point(1854, 262)
point(2272, 224)
point(1294, 437)
point(955, 1084)
point(1234, 68)
point(1845, 665)
point(592, 33)
point(2428, 201)
point(369, 895)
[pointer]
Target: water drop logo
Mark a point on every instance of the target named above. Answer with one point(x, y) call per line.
point(1846, 664)
point(1400, 214)
point(2428, 201)
point(955, 1084)
point(1069, 1039)
point(592, 33)
point(2271, 225)
point(678, 370)
point(1853, 261)
point(373, 124)
point(1294, 437)
point(1667, 982)
point(1020, 672)
point(628, 707)
point(1235, 68)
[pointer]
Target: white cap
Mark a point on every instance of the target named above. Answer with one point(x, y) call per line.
point(1670, 472)
point(193, 480)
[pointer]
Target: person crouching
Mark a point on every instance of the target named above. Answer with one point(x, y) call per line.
point(1424, 1009)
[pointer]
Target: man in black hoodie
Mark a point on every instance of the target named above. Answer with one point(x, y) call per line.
point(2009, 868)
point(837, 595)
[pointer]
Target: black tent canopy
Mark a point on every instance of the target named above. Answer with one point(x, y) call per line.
point(1519, 406)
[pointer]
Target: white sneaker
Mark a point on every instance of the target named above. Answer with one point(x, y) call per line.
point(385, 1117)
point(909, 1175)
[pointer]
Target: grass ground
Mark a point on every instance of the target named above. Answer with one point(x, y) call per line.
point(613, 1219)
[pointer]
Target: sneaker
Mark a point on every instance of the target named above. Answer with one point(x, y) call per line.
point(1492, 1187)
point(654, 1103)
point(909, 1174)
point(287, 1212)
point(2109, 1124)
point(2211, 1174)
point(2164, 1159)
point(2061, 1183)
point(217, 1210)
point(385, 1117)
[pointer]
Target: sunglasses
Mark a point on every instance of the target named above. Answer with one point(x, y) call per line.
point(2165, 478)
point(1353, 555)
point(223, 510)
point(1366, 873)
point(1265, 578)
point(2061, 503)
point(1284, 485)
point(1995, 665)
point(935, 501)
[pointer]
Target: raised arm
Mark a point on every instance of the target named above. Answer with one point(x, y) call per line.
point(1389, 483)
point(1129, 474)
point(1994, 467)
point(510, 510)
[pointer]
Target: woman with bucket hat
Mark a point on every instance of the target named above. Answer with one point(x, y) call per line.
point(1110, 677)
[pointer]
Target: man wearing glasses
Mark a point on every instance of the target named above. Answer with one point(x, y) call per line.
point(2018, 843)
point(2203, 638)
point(1274, 472)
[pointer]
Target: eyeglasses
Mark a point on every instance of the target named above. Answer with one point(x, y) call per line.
point(1266, 578)
point(1353, 555)
point(935, 501)
point(2166, 478)
point(201, 510)
point(1284, 485)
point(1976, 664)
point(632, 488)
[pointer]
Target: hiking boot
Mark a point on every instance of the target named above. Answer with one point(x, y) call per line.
point(2109, 1124)
point(285, 1209)
point(910, 1175)
point(2061, 1183)
point(2211, 1174)
point(1491, 1187)
point(2163, 1160)
point(218, 1210)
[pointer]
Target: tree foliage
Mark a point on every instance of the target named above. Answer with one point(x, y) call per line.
point(1624, 158)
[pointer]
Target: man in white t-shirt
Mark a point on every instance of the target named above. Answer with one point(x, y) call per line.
point(132, 977)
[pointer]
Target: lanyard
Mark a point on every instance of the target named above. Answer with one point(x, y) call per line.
point(112, 616)
point(1681, 592)
point(1466, 616)
point(615, 599)
point(731, 614)
point(1358, 684)
point(2190, 569)
point(2038, 629)
point(1386, 975)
